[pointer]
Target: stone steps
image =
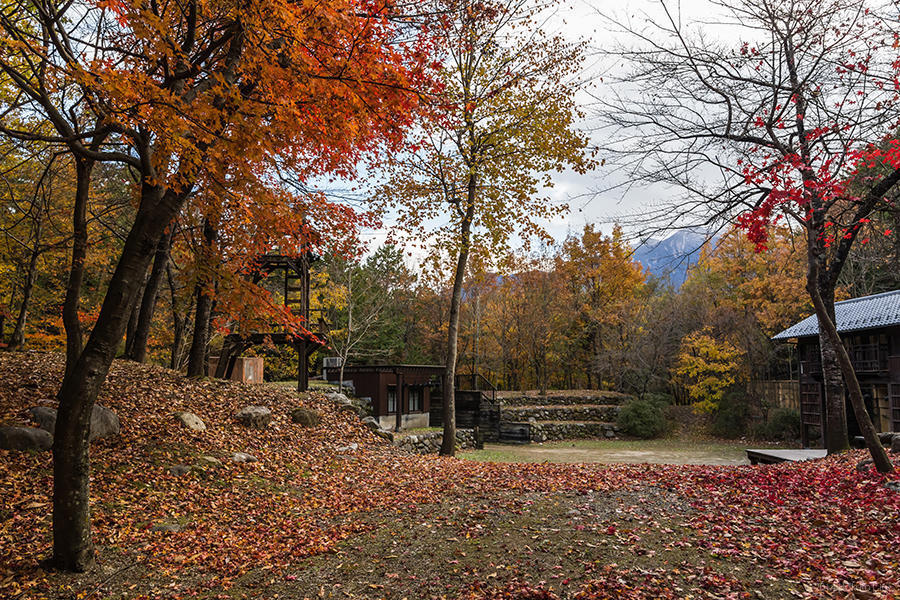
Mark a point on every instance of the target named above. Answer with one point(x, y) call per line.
point(545, 431)
point(560, 399)
point(580, 412)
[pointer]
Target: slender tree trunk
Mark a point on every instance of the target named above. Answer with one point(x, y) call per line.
point(197, 355)
point(448, 444)
point(827, 325)
point(71, 323)
point(138, 350)
point(72, 541)
point(178, 322)
point(18, 336)
point(133, 318)
point(346, 350)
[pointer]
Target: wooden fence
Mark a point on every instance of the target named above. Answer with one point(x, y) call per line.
point(777, 393)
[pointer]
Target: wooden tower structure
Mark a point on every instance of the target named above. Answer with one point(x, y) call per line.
point(294, 272)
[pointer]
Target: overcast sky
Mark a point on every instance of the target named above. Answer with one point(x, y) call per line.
point(588, 21)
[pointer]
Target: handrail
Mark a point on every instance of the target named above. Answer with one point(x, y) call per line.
point(476, 377)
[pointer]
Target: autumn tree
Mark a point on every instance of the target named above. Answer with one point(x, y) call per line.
point(771, 127)
point(502, 121)
point(603, 285)
point(745, 296)
point(187, 90)
point(707, 366)
point(364, 319)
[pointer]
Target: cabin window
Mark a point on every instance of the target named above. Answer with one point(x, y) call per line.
point(415, 399)
point(392, 399)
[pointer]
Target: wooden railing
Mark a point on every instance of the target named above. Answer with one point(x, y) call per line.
point(869, 358)
point(866, 358)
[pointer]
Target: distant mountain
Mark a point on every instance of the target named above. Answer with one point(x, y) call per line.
point(670, 258)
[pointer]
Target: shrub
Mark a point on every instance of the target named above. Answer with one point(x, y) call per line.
point(660, 398)
point(783, 425)
point(642, 418)
point(730, 419)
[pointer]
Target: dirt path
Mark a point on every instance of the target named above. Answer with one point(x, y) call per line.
point(650, 452)
point(559, 539)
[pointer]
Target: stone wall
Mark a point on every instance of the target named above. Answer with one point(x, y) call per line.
point(408, 421)
point(430, 443)
point(606, 413)
point(554, 431)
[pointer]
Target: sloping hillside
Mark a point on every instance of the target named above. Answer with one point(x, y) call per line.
point(334, 511)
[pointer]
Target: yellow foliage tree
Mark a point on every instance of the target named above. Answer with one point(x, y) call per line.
point(707, 367)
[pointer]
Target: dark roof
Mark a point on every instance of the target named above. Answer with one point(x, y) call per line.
point(857, 314)
point(350, 369)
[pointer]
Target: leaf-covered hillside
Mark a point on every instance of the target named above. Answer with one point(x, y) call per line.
point(334, 511)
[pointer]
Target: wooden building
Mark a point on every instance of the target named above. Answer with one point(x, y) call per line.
point(409, 396)
point(870, 329)
point(400, 395)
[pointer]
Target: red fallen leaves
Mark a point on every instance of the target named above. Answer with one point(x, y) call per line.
point(615, 583)
point(821, 525)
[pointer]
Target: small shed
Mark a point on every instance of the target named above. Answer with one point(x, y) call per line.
point(870, 329)
point(400, 395)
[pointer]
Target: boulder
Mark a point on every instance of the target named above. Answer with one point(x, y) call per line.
point(167, 527)
point(190, 420)
point(895, 444)
point(384, 433)
point(372, 423)
point(864, 465)
point(104, 422)
point(178, 470)
point(352, 408)
point(353, 447)
point(257, 417)
point(305, 417)
point(894, 486)
point(243, 457)
point(25, 438)
point(337, 397)
point(209, 461)
point(45, 417)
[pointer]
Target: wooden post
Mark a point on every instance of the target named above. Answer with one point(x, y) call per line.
point(302, 370)
point(399, 421)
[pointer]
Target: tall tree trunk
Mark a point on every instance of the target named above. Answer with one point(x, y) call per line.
point(72, 325)
point(835, 435)
point(827, 325)
point(197, 365)
point(138, 350)
point(448, 444)
point(72, 541)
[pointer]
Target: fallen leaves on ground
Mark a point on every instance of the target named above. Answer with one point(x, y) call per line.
point(821, 526)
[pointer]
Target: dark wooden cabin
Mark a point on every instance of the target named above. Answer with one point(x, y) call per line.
point(409, 396)
point(395, 391)
point(870, 329)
